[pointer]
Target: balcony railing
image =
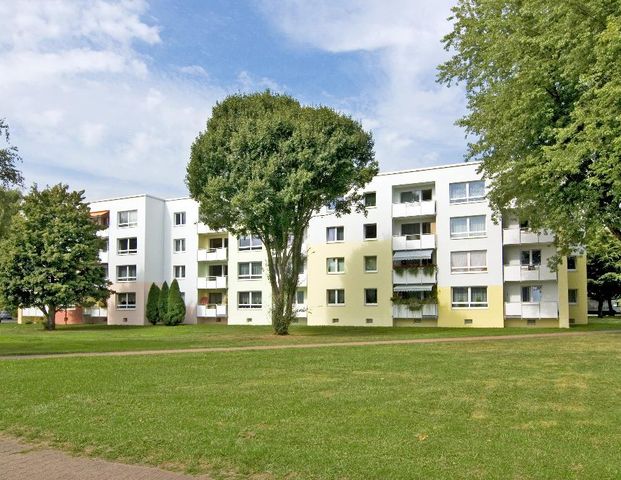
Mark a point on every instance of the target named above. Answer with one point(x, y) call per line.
point(531, 310)
point(300, 310)
point(212, 254)
point(212, 282)
point(414, 242)
point(302, 280)
point(427, 311)
point(527, 273)
point(413, 275)
point(414, 209)
point(211, 311)
point(517, 236)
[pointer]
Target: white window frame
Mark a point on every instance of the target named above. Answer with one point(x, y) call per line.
point(337, 229)
point(339, 296)
point(254, 243)
point(251, 275)
point(418, 193)
point(530, 294)
point(129, 222)
point(470, 303)
point(177, 270)
point(181, 243)
point(252, 299)
point(335, 261)
point(364, 264)
point(127, 277)
point(468, 233)
point(530, 258)
point(468, 198)
point(299, 293)
point(365, 199)
point(364, 231)
point(125, 306)
point(365, 296)
point(127, 251)
point(179, 219)
point(469, 268)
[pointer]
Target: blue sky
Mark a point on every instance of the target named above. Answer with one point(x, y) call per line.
point(108, 95)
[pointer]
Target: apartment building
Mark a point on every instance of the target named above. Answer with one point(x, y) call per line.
point(427, 252)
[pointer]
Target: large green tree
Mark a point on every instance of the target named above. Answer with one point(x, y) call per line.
point(543, 85)
point(264, 165)
point(9, 158)
point(152, 308)
point(604, 272)
point(50, 257)
point(176, 305)
point(9, 206)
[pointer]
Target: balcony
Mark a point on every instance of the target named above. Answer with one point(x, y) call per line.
point(528, 273)
point(302, 282)
point(414, 209)
point(212, 254)
point(300, 310)
point(414, 242)
point(517, 236)
point(211, 282)
point(531, 310)
point(402, 311)
point(211, 311)
point(103, 256)
point(413, 276)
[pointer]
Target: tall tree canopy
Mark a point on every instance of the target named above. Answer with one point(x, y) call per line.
point(264, 165)
point(543, 84)
point(604, 271)
point(9, 206)
point(50, 257)
point(9, 158)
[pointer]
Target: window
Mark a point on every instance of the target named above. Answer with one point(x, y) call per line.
point(105, 243)
point(571, 263)
point(466, 227)
point(127, 245)
point(335, 265)
point(250, 242)
point(335, 234)
point(572, 295)
point(370, 231)
point(469, 297)
point(249, 270)
point(413, 231)
point(249, 299)
point(126, 301)
point(370, 296)
point(127, 218)
point(179, 245)
point(524, 225)
point(474, 261)
point(466, 192)
point(179, 218)
point(126, 273)
point(335, 296)
point(530, 258)
point(370, 264)
point(426, 194)
point(179, 271)
point(331, 206)
point(531, 294)
point(299, 297)
point(105, 268)
point(370, 199)
point(408, 197)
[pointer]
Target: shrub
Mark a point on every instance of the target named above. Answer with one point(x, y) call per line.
point(162, 304)
point(176, 305)
point(153, 300)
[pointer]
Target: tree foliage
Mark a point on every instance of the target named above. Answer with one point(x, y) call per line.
point(9, 206)
point(604, 271)
point(152, 310)
point(543, 84)
point(176, 305)
point(162, 304)
point(50, 257)
point(9, 158)
point(264, 165)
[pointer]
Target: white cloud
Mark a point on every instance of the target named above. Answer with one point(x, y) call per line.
point(411, 116)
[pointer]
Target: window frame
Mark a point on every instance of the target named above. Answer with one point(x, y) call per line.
point(338, 295)
point(530, 290)
point(339, 228)
point(339, 261)
point(364, 231)
point(468, 198)
point(575, 291)
point(127, 305)
point(531, 262)
point(370, 195)
point(182, 242)
point(251, 298)
point(468, 233)
point(127, 278)
point(129, 222)
point(128, 251)
point(468, 268)
point(365, 297)
point(469, 304)
point(180, 268)
point(364, 264)
point(182, 217)
point(574, 260)
point(254, 243)
point(251, 275)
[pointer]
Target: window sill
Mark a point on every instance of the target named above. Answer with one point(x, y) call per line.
point(469, 272)
point(336, 304)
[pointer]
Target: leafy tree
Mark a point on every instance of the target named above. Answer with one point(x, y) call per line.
point(176, 305)
point(543, 84)
point(162, 304)
point(50, 257)
point(9, 206)
point(264, 165)
point(604, 272)
point(9, 157)
point(153, 299)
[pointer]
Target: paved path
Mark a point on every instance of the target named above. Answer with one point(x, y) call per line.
point(411, 341)
point(19, 461)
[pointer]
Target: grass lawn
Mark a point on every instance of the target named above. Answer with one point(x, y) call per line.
point(524, 409)
point(24, 339)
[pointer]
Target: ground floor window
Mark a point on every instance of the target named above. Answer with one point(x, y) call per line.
point(126, 301)
point(532, 294)
point(335, 296)
point(572, 295)
point(249, 299)
point(469, 297)
point(370, 296)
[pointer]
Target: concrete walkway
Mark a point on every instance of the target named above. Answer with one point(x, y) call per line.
point(484, 338)
point(19, 461)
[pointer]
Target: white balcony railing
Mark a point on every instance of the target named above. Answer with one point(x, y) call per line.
point(212, 254)
point(414, 242)
point(531, 310)
point(103, 256)
point(300, 310)
point(302, 280)
point(527, 273)
point(416, 275)
point(402, 311)
point(414, 209)
point(211, 311)
point(517, 236)
point(211, 282)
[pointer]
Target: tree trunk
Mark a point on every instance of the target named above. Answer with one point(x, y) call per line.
point(50, 323)
point(611, 311)
point(600, 308)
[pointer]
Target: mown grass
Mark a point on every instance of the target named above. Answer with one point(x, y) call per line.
point(28, 339)
point(523, 409)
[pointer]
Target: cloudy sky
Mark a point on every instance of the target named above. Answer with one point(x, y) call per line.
point(108, 96)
